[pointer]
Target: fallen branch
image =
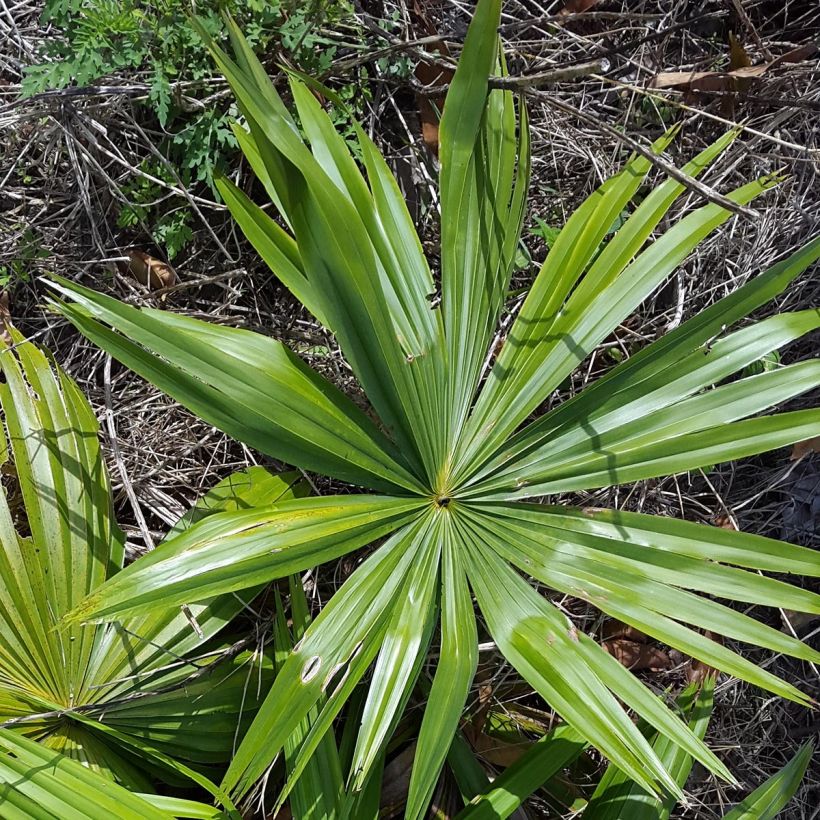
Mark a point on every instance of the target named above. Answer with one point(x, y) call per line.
point(523, 82)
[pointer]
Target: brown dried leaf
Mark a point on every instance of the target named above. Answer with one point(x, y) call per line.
point(5, 317)
point(618, 629)
point(637, 656)
point(796, 55)
point(804, 448)
point(396, 782)
point(697, 671)
point(148, 270)
point(430, 108)
point(499, 752)
point(429, 74)
point(576, 7)
point(725, 522)
point(797, 622)
point(737, 79)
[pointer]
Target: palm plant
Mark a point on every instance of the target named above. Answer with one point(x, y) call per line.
point(101, 696)
point(448, 446)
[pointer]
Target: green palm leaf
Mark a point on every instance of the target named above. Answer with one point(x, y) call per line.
point(404, 648)
point(481, 210)
point(618, 798)
point(541, 644)
point(233, 551)
point(69, 686)
point(603, 573)
point(582, 323)
point(36, 782)
point(517, 782)
point(454, 674)
point(319, 789)
point(202, 369)
point(353, 623)
point(449, 448)
point(349, 268)
point(666, 403)
point(768, 799)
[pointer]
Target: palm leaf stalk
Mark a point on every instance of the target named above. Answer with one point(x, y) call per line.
point(449, 450)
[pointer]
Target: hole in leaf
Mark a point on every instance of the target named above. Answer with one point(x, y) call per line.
point(311, 669)
point(338, 674)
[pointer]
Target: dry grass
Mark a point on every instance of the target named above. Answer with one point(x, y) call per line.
point(65, 160)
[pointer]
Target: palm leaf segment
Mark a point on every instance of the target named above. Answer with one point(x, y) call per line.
point(60, 543)
point(450, 457)
point(47, 785)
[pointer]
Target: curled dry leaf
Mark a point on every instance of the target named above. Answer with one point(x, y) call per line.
point(396, 783)
point(430, 107)
point(804, 448)
point(618, 629)
point(638, 656)
point(737, 79)
point(697, 671)
point(148, 270)
point(630, 646)
point(725, 522)
point(5, 317)
point(576, 7)
point(430, 74)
